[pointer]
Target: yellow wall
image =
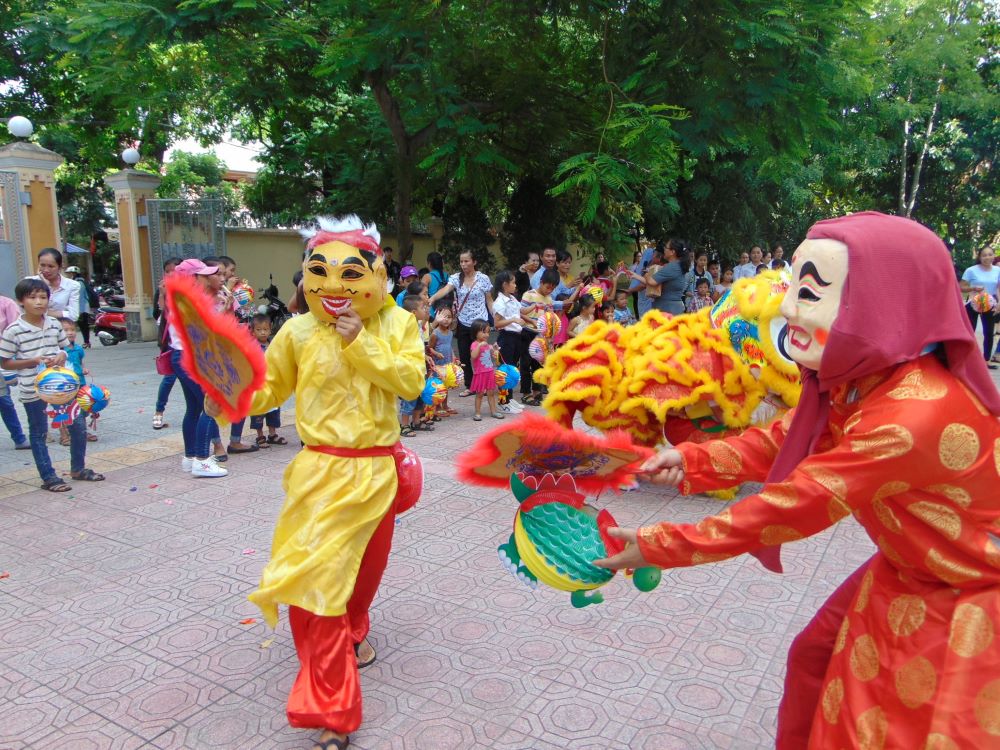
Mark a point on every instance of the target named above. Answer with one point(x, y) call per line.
point(259, 252)
point(42, 225)
point(129, 275)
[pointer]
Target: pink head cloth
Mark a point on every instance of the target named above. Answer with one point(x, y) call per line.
point(355, 238)
point(900, 297)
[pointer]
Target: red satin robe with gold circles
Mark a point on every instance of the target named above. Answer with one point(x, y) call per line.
point(916, 458)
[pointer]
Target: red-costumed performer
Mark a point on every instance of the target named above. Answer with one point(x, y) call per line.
point(346, 361)
point(897, 425)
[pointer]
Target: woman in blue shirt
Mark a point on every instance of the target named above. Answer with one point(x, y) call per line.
point(982, 277)
point(671, 275)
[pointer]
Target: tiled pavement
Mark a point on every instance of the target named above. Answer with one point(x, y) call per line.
point(120, 621)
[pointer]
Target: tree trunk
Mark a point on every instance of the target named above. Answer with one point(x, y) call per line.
point(404, 205)
point(915, 182)
point(905, 157)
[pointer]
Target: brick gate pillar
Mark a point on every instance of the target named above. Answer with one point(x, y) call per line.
point(36, 223)
point(132, 188)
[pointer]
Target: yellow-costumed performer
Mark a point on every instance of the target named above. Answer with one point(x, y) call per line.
point(346, 361)
point(679, 378)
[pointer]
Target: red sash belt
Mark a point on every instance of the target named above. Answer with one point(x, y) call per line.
point(375, 450)
point(409, 472)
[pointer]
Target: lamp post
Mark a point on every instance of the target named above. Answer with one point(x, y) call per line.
point(131, 156)
point(20, 127)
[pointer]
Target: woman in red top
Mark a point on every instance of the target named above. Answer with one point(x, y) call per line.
point(898, 426)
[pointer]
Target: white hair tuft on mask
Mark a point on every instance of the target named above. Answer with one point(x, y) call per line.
point(340, 225)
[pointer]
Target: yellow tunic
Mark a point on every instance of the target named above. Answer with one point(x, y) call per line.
point(345, 396)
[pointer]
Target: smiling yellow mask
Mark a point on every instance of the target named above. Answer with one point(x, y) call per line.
point(344, 270)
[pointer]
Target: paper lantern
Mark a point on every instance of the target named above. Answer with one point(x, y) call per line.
point(982, 302)
point(93, 398)
point(507, 377)
point(538, 349)
point(57, 385)
point(596, 291)
point(431, 387)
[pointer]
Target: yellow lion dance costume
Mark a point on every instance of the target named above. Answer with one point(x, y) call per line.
point(690, 377)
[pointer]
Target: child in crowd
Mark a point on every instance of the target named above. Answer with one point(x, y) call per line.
point(702, 296)
point(582, 314)
point(509, 324)
point(484, 377)
point(623, 314)
point(262, 332)
point(409, 423)
point(441, 349)
point(604, 279)
point(608, 312)
point(727, 280)
point(533, 303)
point(28, 345)
point(74, 361)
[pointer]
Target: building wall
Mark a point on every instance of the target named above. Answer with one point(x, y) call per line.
point(278, 252)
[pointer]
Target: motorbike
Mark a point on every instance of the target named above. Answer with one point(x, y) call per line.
point(274, 308)
point(109, 325)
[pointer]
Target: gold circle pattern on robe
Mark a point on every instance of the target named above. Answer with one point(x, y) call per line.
point(958, 446)
point(916, 682)
point(906, 614)
point(971, 630)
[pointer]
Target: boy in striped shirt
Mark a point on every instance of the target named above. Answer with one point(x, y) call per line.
point(31, 343)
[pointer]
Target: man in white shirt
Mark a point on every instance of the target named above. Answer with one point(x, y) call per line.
point(749, 270)
point(548, 261)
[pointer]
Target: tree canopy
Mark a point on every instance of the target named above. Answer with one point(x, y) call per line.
point(540, 121)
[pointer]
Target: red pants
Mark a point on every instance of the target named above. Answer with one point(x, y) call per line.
point(808, 659)
point(327, 691)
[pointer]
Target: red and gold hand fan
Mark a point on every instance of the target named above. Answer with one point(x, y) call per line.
point(219, 354)
point(533, 445)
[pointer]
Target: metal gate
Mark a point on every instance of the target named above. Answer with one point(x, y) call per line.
point(180, 228)
point(12, 254)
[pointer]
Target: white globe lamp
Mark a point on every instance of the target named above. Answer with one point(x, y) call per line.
point(20, 127)
point(131, 156)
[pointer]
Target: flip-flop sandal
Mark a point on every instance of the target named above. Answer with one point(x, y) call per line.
point(357, 652)
point(423, 427)
point(276, 440)
point(56, 485)
point(262, 442)
point(223, 458)
point(332, 744)
point(497, 416)
point(465, 394)
point(64, 442)
point(91, 437)
point(407, 431)
point(244, 449)
point(88, 475)
point(476, 418)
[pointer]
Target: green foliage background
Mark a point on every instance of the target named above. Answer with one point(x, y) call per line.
point(540, 122)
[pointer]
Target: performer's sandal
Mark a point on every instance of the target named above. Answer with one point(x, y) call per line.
point(334, 743)
point(357, 652)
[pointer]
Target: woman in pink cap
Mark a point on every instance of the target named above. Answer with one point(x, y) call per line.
point(198, 428)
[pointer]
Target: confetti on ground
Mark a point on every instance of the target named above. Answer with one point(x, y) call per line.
point(153, 486)
point(168, 501)
point(248, 621)
point(249, 551)
point(132, 489)
point(267, 643)
point(5, 574)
